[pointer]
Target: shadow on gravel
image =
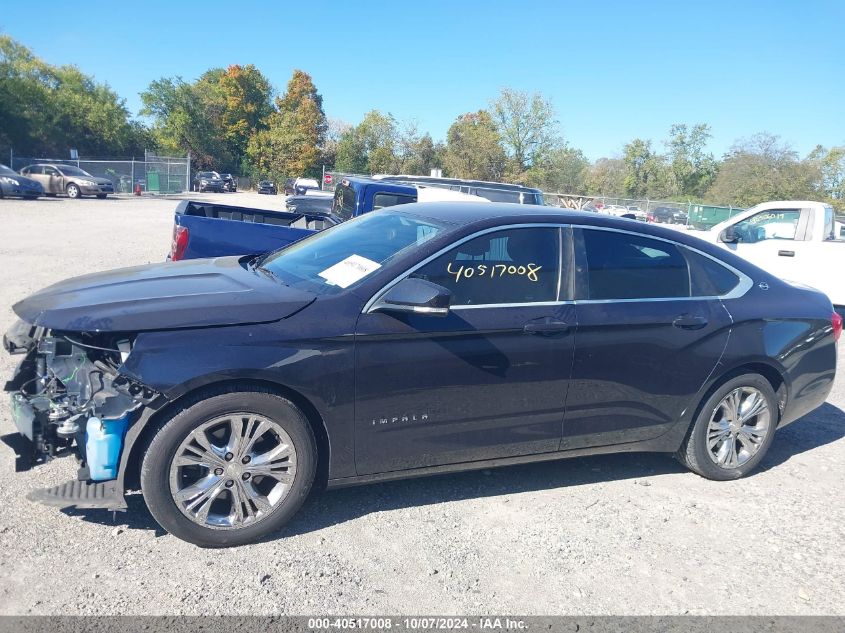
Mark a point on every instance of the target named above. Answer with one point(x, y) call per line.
point(823, 426)
point(327, 508)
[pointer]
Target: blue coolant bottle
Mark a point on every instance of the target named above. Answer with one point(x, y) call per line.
point(103, 441)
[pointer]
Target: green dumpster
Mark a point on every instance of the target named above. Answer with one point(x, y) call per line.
point(153, 181)
point(705, 217)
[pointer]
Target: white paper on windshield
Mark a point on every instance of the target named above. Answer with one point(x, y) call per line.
point(348, 271)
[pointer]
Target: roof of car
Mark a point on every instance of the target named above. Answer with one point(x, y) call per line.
point(493, 213)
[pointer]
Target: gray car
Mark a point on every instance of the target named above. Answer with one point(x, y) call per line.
point(59, 178)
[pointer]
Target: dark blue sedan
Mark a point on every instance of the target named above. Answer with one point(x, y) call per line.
point(13, 185)
point(419, 339)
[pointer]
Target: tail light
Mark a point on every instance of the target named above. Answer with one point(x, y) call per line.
point(180, 242)
point(836, 322)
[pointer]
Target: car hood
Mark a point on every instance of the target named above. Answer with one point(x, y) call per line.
point(102, 181)
point(173, 295)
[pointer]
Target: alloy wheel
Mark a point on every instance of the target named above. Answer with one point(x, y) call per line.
point(738, 427)
point(232, 471)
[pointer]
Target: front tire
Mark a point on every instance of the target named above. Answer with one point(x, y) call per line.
point(73, 191)
point(733, 430)
point(229, 468)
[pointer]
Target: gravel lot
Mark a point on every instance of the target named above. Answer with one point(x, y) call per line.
point(623, 534)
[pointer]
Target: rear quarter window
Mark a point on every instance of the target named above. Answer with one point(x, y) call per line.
point(709, 278)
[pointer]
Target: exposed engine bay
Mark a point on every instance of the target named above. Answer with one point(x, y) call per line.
point(66, 383)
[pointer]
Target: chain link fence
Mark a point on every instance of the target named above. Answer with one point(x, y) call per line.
point(155, 174)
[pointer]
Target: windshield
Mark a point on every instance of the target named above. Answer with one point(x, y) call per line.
point(343, 255)
point(7, 171)
point(68, 170)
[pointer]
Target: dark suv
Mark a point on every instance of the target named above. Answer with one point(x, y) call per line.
point(208, 181)
point(230, 182)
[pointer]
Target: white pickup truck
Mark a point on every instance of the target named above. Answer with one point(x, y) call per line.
point(796, 240)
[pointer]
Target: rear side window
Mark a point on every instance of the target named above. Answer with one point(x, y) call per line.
point(344, 202)
point(708, 277)
point(381, 200)
point(508, 266)
point(626, 266)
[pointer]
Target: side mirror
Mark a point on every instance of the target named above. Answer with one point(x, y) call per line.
point(415, 296)
point(729, 236)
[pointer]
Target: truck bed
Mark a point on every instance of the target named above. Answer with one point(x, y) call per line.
point(216, 230)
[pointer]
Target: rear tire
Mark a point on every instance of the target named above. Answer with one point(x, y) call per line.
point(101, 196)
point(240, 504)
point(733, 430)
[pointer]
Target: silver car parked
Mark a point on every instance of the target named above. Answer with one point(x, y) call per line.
point(57, 178)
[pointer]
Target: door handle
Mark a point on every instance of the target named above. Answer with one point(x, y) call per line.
point(786, 253)
point(545, 326)
point(690, 322)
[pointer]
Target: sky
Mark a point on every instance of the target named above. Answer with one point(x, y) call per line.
point(613, 71)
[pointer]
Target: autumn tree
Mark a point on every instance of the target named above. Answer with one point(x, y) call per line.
point(237, 100)
point(474, 148)
point(290, 144)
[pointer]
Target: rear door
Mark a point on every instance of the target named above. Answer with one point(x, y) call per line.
point(36, 172)
point(650, 332)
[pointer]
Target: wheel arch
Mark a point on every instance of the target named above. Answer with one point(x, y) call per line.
point(774, 376)
point(152, 421)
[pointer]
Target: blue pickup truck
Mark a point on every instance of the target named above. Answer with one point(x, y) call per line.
point(213, 230)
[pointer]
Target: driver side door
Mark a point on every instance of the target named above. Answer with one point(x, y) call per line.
point(490, 379)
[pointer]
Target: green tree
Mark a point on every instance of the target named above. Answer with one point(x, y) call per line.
point(474, 148)
point(694, 169)
point(372, 146)
point(181, 123)
point(646, 173)
point(47, 109)
point(606, 177)
point(528, 130)
point(351, 152)
point(565, 171)
point(763, 168)
point(830, 164)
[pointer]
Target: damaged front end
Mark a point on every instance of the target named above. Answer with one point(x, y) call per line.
point(68, 396)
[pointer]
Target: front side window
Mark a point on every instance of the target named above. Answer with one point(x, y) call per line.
point(775, 224)
point(332, 260)
point(626, 266)
point(520, 265)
